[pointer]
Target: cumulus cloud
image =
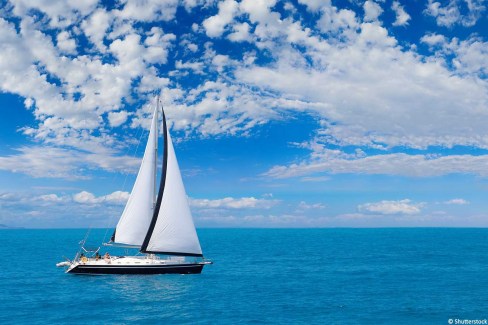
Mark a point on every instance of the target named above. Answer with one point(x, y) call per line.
point(234, 203)
point(392, 207)
point(364, 87)
point(404, 85)
point(312, 5)
point(402, 17)
point(85, 197)
point(372, 10)
point(66, 43)
point(240, 33)
point(329, 69)
point(59, 14)
point(215, 25)
point(25, 209)
point(148, 10)
point(465, 13)
point(433, 39)
point(117, 118)
point(95, 27)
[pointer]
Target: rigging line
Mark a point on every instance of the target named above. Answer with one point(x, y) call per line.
point(126, 174)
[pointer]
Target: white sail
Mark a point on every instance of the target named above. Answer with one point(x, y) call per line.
point(136, 218)
point(172, 230)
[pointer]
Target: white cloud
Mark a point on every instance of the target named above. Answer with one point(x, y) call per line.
point(451, 14)
point(66, 43)
point(313, 5)
point(315, 179)
point(307, 206)
point(148, 10)
point(338, 21)
point(234, 203)
point(28, 102)
point(332, 76)
point(402, 17)
point(391, 207)
point(36, 210)
point(62, 13)
point(85, 197)
point(470, 56)
point(372, 11)
point(117, 197)
point(433, 39)
point(392, 110)
point(387, 164)
point(240, 32)
point(52, 162)
point(445, 16)
point(218, 107)
point(457, 202)
point(265, 220)
point(197, 67)
point(157, 44)
point(95, 27)
point(215, 25)
point(259, 10)
point(51, 198)
point(351, 75)
point(117, 118)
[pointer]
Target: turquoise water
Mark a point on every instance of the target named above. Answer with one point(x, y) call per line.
point(260, 276)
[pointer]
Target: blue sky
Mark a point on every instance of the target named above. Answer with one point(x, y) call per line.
point(301, 113)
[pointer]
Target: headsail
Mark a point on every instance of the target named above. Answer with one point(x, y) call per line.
point(134, 222)
point(171, 230)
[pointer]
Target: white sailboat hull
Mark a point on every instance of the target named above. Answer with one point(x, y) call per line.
point(136, 265)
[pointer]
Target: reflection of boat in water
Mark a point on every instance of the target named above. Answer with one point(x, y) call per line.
point(160, 227)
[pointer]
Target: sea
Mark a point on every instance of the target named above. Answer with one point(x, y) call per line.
point(259, 276)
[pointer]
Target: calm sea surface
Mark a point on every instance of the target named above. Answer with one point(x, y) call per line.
point(260, 276)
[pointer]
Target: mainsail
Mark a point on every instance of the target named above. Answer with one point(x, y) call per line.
point(165, 226)
point(134, 222)
point(171, 231)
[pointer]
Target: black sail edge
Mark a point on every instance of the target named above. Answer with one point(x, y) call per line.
point(160, 193)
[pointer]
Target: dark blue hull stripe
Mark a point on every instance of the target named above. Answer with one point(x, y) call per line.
point(138, 269)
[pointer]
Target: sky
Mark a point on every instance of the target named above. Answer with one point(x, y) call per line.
point(300, 113)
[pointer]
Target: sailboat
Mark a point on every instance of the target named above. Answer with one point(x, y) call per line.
point(161, 226)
